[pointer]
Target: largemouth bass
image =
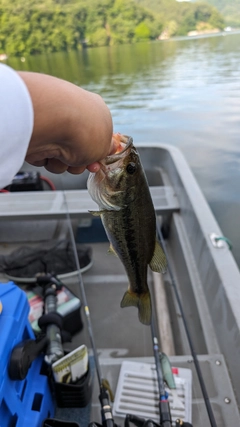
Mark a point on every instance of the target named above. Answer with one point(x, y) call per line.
point(122, 193)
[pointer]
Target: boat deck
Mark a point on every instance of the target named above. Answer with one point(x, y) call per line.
point(120, 336)
point(201, 272)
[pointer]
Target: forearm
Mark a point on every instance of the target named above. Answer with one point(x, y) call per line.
point(49, 108)
point(70, 124)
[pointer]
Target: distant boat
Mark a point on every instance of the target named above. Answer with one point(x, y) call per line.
point(3, 56)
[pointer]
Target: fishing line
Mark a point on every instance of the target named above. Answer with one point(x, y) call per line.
point(161, 386)
point(163, 403)
point(105, 390)
point(193, 352)
point(84, 298)
point(164, 409)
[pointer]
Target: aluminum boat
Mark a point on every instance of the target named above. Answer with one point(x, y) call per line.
point(202, 269)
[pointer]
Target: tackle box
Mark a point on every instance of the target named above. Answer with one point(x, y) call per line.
point(29, 401)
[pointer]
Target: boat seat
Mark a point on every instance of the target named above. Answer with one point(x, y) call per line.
point(52, 204)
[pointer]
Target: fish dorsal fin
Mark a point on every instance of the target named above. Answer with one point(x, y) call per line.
point(158, 262)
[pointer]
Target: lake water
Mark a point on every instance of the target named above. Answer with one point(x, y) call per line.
point(180, 92)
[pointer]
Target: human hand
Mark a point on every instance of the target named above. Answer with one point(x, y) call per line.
point(94, 167)
point(72, 127)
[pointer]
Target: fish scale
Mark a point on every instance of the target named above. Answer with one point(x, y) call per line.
point(123, 238)
point(122, 193)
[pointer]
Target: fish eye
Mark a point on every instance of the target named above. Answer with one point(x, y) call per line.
point(131, 168)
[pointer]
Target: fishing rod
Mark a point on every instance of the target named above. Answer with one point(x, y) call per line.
point(107, 418)
point(191, 345)
point(163, 403)
point(106, 411)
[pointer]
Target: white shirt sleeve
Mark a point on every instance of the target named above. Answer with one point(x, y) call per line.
point(16, 123)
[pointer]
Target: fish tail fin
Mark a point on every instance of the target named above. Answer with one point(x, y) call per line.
point(142, 302)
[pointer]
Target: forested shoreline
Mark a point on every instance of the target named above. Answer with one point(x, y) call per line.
point(230, 9)
point(32, 27)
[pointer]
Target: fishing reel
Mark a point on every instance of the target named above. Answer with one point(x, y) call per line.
point(183, 423)
point(49, 341)
point(141, 422)
point(106, 410)
point(113, 424)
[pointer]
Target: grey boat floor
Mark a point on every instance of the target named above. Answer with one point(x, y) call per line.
point(114, 328)
point(119, 336)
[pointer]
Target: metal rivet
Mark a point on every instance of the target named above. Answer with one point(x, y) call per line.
point(218, 362)
point(227, 400)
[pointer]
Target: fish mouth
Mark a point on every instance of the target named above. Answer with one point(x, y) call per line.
point(117, 156)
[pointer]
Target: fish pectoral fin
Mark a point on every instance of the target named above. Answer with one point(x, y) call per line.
point(98, 213)
point(158, 262)
point(95, 213)
point(142, 302)
point(111, 250)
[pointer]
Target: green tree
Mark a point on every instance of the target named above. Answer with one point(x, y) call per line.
point(142, 32)
point(30, 26)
